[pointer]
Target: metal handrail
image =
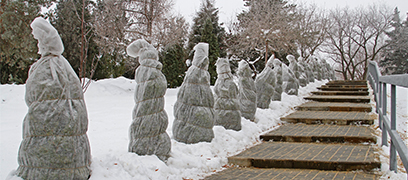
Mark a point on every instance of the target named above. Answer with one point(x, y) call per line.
point(379, 86)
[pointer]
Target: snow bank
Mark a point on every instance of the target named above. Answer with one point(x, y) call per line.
point(110, 104)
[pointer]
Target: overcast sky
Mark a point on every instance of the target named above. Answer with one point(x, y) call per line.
point(228, 8)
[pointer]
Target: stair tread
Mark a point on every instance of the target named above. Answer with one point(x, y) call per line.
point(320, 133)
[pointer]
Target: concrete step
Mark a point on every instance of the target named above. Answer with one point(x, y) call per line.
point(320, 133)
point(345, 93)
point(345, 86)
point(245, 173)
point(342, 82)
point(343, 89)
point(340, 157)
point(330, 117)
point(333, 106)
point(353, 99)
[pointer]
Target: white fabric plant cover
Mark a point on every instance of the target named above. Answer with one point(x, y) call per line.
point(265, 85)
point(297, 70)
point(290, 84)
point(55, 144)
point(317, 69)
point(148, 129)
point(226, 102)
point(308, 70)
point(194, 108)
point(247, 91)
point(277, 69)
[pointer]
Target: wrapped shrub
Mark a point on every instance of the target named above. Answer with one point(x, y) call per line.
point(297, 70)
point(247, 91)
point(55, 144)
point(148, 129)
point(289, 83)
point(265, 85)
point(194, 108)
point(308, 70)
point(277, 69)
point(226, 102)
point(317, 69)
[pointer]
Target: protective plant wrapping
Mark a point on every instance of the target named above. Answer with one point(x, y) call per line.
point(247, 91)
point(148, 129)
point(330, 70)
point(226, 105)
point(289, 83)
point(297, 70)
point(317, 69)
point(277, 95)
point(55, 144)
point(308, 70)
point(194, 108)
point(265, 84)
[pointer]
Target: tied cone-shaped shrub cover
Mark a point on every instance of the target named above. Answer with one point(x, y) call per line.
point(226, 103)
point(265, 84)
point(297, 70)
point(55, 144)
point(290, 83)
point(277, 95)
point(317, 69)
point(247, 91)
point(194, 108)
point(148, 129)
point(308, 70)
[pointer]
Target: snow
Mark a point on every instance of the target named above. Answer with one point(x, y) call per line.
point(110, 103)
point(49, 42)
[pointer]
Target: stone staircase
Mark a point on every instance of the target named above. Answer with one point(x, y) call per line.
point(326, 138)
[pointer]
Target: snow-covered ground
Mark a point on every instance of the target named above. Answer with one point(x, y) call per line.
point(110, 103)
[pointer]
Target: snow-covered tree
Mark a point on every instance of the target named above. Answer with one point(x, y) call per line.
point(55, 144)
point(396, 53)
point(247, 91)
point(148, 129)
point(265, 84)
point(226, 102)
point(194, 108)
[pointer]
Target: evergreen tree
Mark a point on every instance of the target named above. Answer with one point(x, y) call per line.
point(396, 53)
point(18, 48)
point(174, 67)
point(206, 29)
point(67, 21)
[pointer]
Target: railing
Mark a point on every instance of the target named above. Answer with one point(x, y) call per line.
point(379, 85)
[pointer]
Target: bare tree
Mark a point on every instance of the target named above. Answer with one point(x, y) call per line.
point(356, 36)
point(146, 18)
point(311, 27)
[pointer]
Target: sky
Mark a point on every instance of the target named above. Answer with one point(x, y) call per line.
point(228, 8)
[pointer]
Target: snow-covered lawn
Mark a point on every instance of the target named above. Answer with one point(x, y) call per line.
point(110, 103)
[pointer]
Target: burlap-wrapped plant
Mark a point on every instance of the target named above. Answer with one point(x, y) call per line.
point(226, 102)
point(247, 91)
point(290, 84)
point(194, 108)
point(265, 85)
point(277, 69)
point(148, 129)
point(297, 70)
point(55, 144)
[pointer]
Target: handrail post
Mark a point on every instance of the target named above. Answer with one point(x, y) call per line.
point(379, 104)
point(393, 152)
point(384, 113)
